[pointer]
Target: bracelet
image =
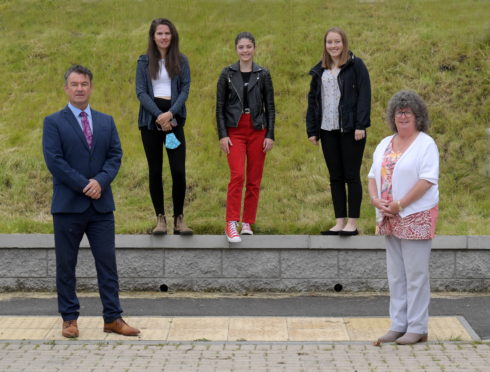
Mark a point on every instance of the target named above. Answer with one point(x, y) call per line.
point(373, 197)
point(400, 208)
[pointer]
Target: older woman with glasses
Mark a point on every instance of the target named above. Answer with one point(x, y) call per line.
point(403, 188)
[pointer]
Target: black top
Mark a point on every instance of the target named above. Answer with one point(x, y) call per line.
point(246, 79)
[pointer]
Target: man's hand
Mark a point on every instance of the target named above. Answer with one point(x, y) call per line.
point(93, 189)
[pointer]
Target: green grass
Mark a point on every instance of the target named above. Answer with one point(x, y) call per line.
point(438, 48)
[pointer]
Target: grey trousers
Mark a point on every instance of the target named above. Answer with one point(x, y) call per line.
point(408, 279)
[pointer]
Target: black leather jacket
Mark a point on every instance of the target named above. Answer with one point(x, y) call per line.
point(355, 98)
point(229, 98)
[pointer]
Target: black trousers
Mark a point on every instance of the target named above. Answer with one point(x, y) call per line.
point(343, 155)
point(154, 143)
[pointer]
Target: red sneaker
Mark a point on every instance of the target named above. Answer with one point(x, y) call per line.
point(246, 229)
point(231, 232)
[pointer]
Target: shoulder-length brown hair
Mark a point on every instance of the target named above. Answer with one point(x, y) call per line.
point(172, 59)
point(327, 61)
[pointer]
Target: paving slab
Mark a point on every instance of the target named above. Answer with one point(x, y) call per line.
point(263, 329)
point(258, 329)
point(195, 328)
point(317, 329)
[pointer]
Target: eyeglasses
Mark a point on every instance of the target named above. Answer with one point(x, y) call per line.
point(407, 114)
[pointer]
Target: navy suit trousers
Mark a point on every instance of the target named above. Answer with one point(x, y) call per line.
point(69, 229)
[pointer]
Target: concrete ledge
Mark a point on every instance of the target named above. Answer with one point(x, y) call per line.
point(259, 263)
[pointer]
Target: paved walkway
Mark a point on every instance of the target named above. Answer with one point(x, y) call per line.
point(256, 357)
point(229, 334)
point(30, 343)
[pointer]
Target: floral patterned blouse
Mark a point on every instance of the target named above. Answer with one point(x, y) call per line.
point(416, 226)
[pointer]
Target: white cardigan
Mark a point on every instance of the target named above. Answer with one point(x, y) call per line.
point(419, 161)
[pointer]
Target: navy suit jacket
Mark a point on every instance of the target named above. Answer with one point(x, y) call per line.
point(72, 163)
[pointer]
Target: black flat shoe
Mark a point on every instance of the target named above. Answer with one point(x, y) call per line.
point(330, 232)
point(348, 233)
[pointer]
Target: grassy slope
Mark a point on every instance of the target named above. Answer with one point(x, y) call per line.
point(438, 48)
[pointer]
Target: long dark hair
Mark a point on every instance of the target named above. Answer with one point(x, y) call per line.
point(172, 59)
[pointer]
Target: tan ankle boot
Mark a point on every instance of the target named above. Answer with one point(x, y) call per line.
point(180, 228)
point(161, 228)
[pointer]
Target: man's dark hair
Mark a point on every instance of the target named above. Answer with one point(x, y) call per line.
point(79, 69)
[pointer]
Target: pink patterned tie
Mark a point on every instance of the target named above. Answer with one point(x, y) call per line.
point(86, 128)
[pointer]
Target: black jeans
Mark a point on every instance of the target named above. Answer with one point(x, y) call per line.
point(154, 142)
point(343, 155)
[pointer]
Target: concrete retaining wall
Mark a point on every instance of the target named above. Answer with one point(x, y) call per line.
point(259, 263)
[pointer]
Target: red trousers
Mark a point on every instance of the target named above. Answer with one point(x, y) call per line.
point(246, 155)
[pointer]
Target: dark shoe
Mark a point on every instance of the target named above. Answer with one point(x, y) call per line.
point(161, 228)
point(348, 233)
point(330, 232)
point(390, 336)
point(411, 338)
point(121, 327)
point(180, 228)
point(70, 328)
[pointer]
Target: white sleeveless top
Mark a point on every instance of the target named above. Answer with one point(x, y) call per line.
point(162, 85)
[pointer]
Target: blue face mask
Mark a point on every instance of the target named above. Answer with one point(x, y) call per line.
point(171, 142)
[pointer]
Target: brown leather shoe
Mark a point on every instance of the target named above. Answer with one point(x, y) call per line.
point(70, 328)
point(180, 228)
point(121, 327)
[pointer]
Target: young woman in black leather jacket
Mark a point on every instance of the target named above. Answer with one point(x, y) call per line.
point(245, 117)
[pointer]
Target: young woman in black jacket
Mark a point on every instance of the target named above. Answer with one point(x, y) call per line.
point(245, 117)
point(339, 106)
point(163, 80)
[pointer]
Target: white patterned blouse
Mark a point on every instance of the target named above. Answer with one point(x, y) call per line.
point(330, 100)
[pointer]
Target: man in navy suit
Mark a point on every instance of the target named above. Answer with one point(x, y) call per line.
point(83, 153)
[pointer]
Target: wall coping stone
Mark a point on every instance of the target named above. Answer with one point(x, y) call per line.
point(360, 242)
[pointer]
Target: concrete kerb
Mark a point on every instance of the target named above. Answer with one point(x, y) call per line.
point(249, 242)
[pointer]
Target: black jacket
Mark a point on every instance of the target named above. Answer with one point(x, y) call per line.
point(229, 98)
point(355, 97)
